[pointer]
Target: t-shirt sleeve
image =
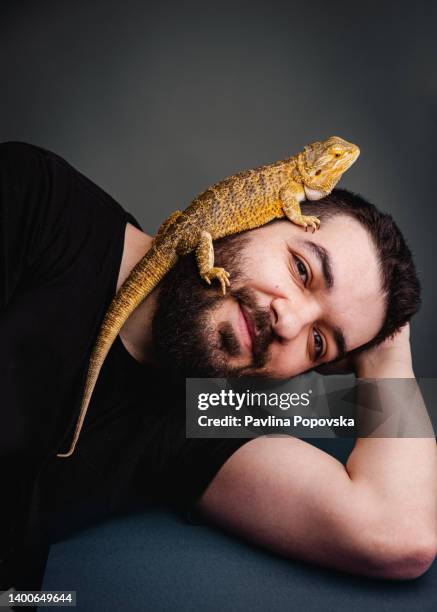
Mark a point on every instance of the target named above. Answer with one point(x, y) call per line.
point(24, 191)
point(197, 465)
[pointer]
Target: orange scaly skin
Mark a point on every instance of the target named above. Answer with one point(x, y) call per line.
point(241, 202)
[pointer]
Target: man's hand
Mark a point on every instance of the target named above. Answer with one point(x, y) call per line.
point(390, 359)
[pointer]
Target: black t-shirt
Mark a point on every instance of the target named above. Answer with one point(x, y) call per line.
point(61, 245)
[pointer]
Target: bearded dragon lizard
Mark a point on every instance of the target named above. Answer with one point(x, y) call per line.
point(238, 203)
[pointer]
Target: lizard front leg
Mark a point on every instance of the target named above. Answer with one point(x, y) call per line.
point(290, 201)
point(205, 262)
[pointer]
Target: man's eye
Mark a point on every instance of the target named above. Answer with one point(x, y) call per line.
point(301, 269)
point(318, 344)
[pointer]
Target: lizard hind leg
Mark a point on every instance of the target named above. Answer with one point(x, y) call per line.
point(165, 226)
point(205, 262)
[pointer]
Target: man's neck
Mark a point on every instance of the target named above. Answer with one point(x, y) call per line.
point(136, 333)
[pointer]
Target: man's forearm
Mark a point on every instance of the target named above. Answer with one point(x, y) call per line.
point(399, 473)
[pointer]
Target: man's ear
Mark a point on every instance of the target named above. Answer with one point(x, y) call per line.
point(344, 366)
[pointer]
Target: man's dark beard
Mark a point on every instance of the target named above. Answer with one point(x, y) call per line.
point(185, 343)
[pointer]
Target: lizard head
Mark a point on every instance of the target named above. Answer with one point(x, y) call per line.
point(322, 163)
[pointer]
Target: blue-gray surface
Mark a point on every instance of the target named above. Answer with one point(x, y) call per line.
point(158, 561)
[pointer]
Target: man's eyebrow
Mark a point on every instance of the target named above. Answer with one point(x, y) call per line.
point(340, 342)
point(325, 262)
point(324, 259)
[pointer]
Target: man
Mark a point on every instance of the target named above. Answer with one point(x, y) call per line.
point(297, 301)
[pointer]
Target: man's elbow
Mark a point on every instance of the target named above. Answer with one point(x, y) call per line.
point(403, 558)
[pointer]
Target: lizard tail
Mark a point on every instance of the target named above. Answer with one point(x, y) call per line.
point(143, 278)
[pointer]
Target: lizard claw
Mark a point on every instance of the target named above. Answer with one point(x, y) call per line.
point(309, 221)
point(219, 273)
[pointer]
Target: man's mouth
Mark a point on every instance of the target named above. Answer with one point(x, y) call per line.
point(246, 328)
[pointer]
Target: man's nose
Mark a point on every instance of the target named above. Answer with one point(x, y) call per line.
point(294, 315)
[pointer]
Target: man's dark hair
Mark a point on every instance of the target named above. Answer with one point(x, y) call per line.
point(400, 283)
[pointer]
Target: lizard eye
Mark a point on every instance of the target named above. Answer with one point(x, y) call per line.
point(318, 172)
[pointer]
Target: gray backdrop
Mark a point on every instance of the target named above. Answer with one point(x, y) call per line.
point(154, 102)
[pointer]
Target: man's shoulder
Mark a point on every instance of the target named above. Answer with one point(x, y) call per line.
point(28, 163)
point(18, 154)
point(25, 155)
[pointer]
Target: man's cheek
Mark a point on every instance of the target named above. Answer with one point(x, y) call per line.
point(279, 364)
